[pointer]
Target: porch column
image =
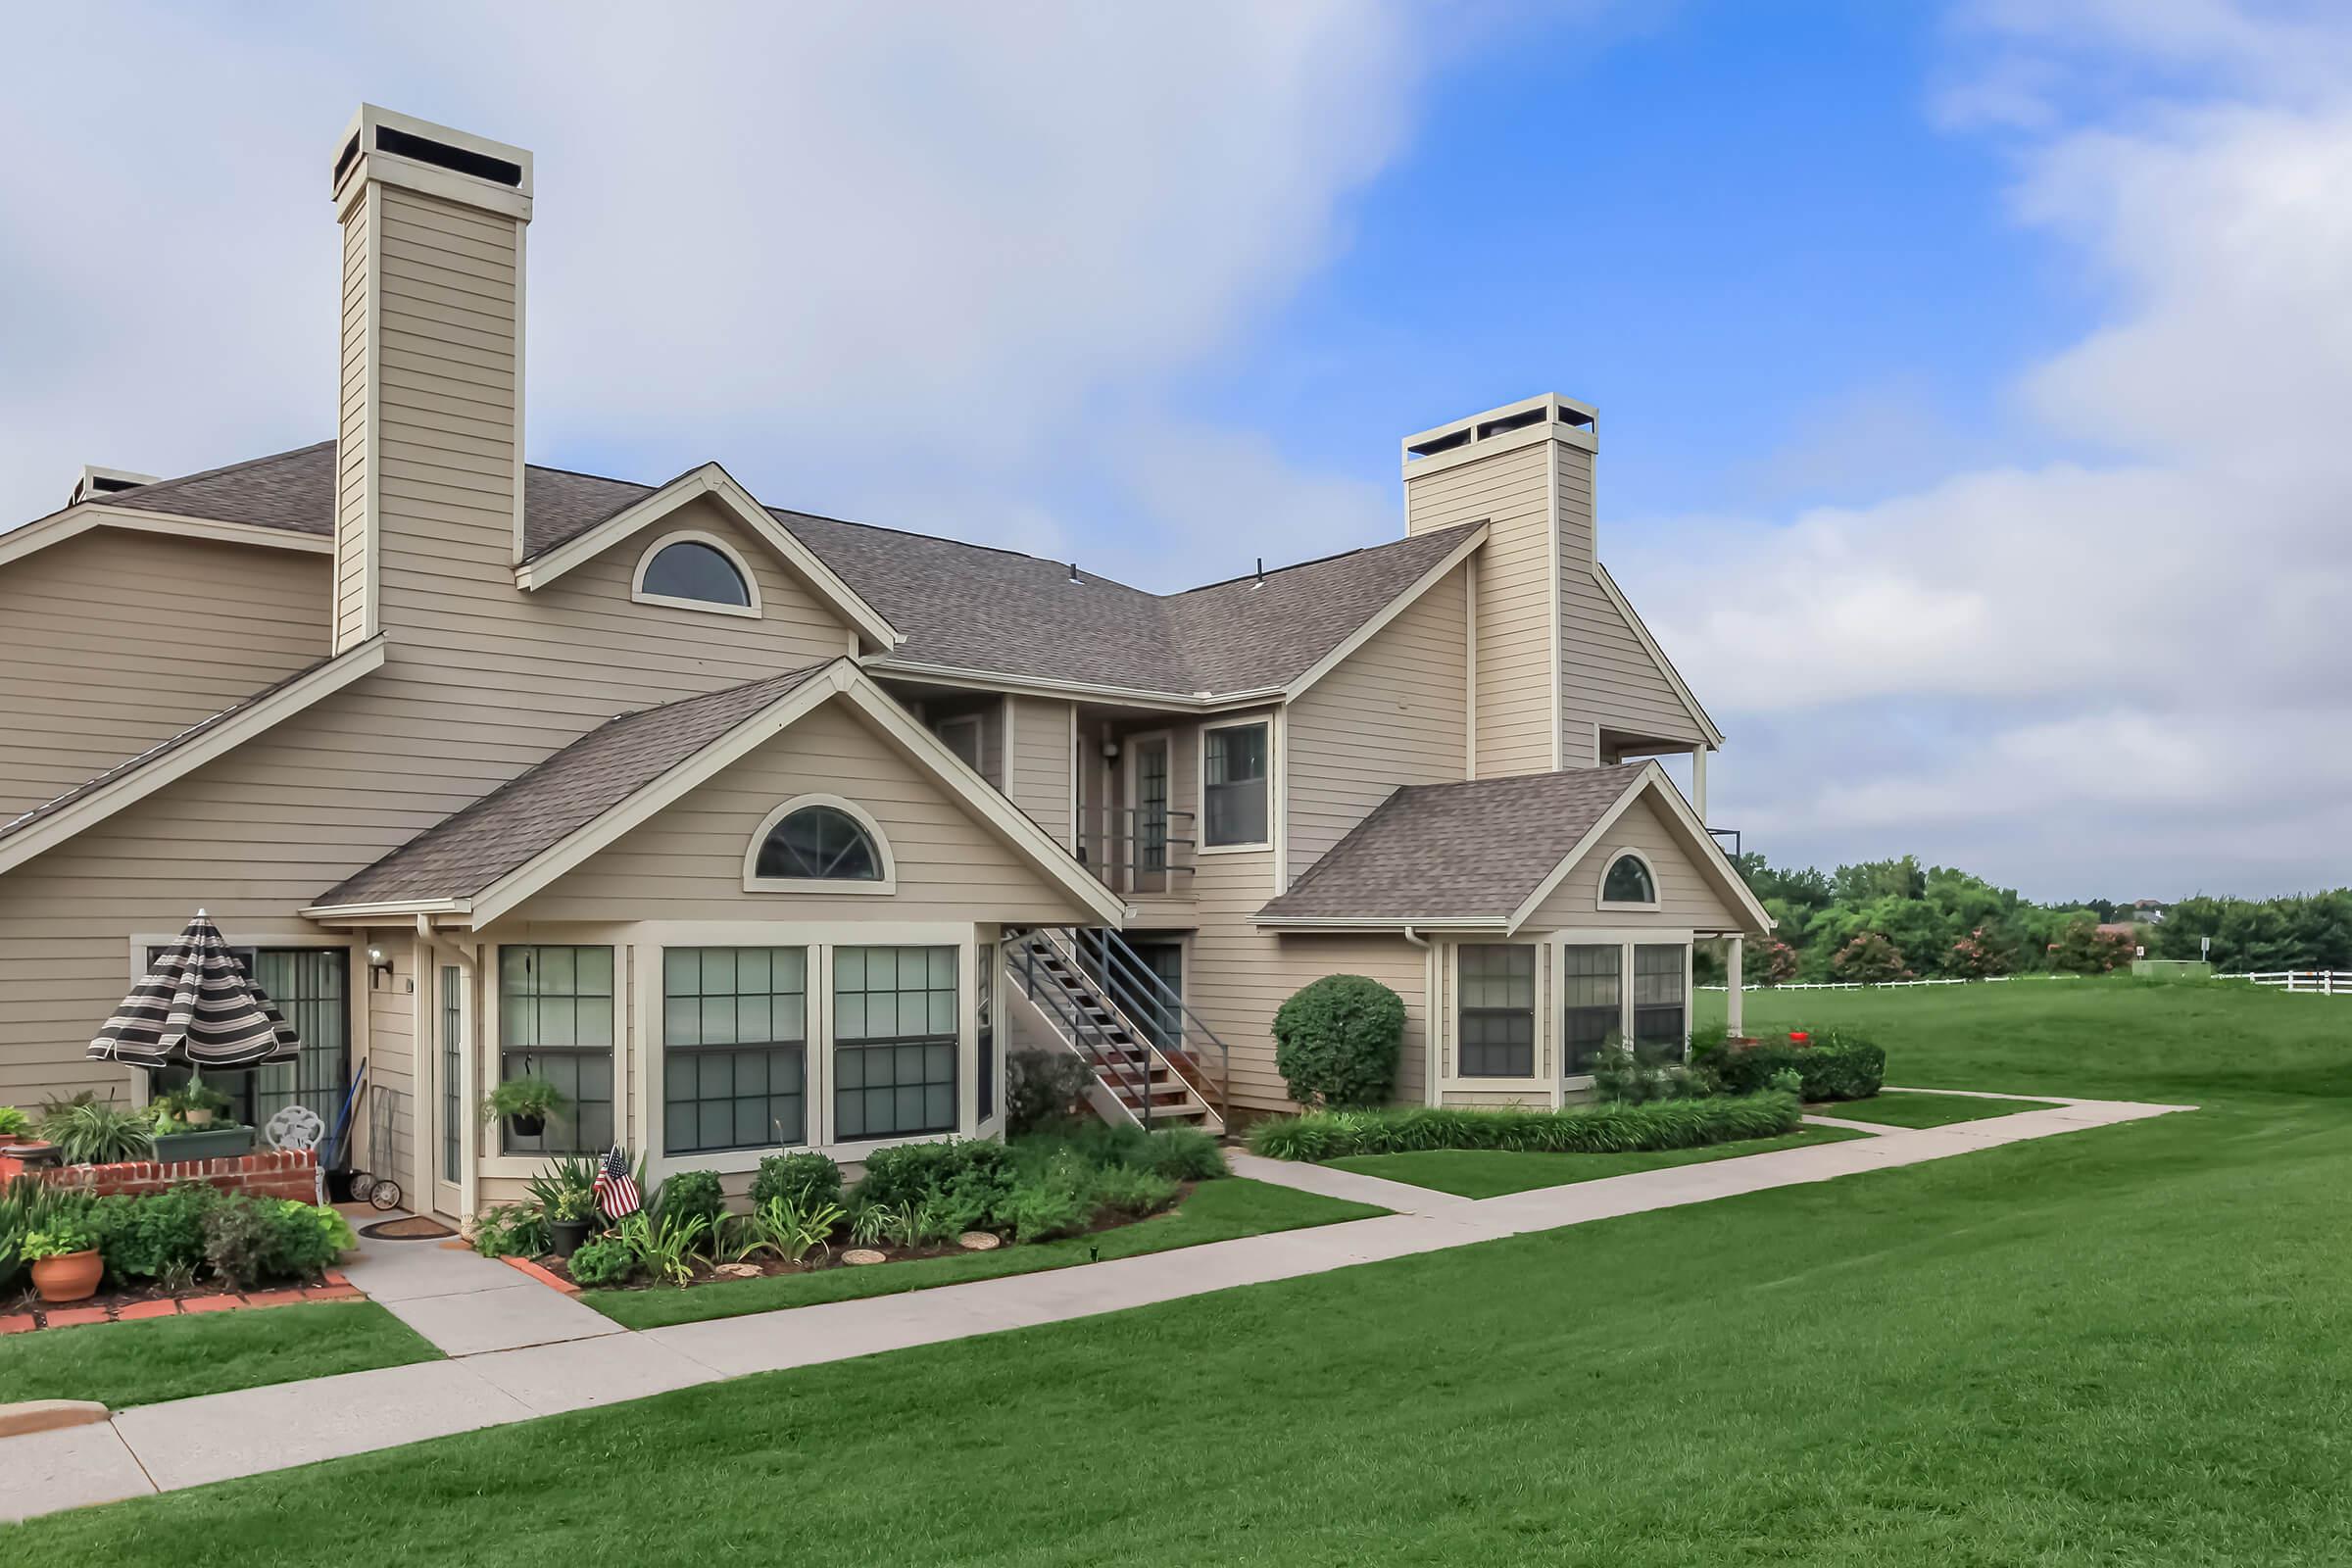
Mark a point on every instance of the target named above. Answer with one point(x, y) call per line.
point(1698, 781)
point(1731, 978)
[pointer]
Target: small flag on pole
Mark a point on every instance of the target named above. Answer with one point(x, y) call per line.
point(615, 1188)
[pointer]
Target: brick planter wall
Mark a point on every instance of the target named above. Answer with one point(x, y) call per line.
point(273, 1174)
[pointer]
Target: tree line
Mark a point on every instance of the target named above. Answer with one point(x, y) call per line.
point(1898, 920)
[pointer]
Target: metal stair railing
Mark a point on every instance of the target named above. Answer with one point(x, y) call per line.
point(1123, 1064)
point(1155, 1012)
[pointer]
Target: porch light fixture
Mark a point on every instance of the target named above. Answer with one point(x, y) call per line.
point(378, 962)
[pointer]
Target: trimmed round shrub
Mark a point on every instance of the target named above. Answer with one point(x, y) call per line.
point(808, 1178)
point(1337, 1042)
point(690, 1195)
point(602, 1262)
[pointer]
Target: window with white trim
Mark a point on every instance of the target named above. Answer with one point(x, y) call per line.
point(895, 1036)
point(1591, 997)
point(1496, 1017)
point(555, 1021)
point(695, 571)
point(1629, 884)
point(819, 844)
point(1233, 781)
point(734, 1049)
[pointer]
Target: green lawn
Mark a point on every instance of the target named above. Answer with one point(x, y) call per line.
point(1892, 1107)
point(2125, 1345)
point(1216, 1211)
point(1491, 1172)
point(122, 1364)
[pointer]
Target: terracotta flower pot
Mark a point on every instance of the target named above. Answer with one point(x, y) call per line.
point(198, 1119)
point(71, 1277)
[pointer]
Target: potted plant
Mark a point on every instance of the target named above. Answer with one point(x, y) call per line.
point(176, 1141)
point(570, 1219)
point(66, 1265)
point(88, 1133)
point(193, 1106)
point(525, 1102)
point(16, 1136)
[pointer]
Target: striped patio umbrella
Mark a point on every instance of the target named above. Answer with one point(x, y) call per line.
point(198, 1007)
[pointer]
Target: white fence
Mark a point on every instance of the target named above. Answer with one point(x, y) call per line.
point(2316, 982)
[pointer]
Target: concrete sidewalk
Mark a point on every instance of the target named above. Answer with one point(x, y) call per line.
point(515, 1359)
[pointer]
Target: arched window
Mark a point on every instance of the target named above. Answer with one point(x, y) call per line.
point(819, 844)
point(696, 571)
point(1628, 883)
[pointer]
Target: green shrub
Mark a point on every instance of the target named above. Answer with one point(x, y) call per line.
point(14, 1123)
point(1042, 1087)
point(1043, 1208)
point(1337, 1042)
point(808, 1179)
point(1188, 1154)
point(155, 1237)
point(1602, 1130)
point(692, 1194)
point(1832, 1065)
point(602, 1262)
point(87, 1133)
point(1126, 1190)
point(906, 1174)
point(511, 1230)
point(1646, 1071)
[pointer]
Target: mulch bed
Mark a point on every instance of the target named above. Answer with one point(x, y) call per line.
point(30, 1311)
point(768, 1268)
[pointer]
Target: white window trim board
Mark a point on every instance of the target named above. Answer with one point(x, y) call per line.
point(697, 537)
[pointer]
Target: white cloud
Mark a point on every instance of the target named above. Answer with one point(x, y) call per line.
point(850, 251)
point(2131, 664)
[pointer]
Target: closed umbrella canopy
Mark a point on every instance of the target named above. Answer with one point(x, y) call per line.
point(197, 1008)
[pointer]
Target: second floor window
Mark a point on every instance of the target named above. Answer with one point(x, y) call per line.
point(1234, 783)
point(690, 572)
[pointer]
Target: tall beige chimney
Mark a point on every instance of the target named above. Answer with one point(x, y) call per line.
point(428, 446)
point(1526, 470)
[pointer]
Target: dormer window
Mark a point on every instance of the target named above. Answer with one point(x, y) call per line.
point(1628, 883)
point(819, 844)
point(696, 571)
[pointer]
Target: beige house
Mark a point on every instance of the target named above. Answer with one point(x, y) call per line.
point(755, 829)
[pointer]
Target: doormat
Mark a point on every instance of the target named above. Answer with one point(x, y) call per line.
point(415, 1228)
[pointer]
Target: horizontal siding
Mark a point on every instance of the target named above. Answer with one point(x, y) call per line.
point(111, 642)
point(352, 428)
point(687, 863)
point(1392, 714)
point(1511, 492)
point(1687, 898)
point(1042, 779)
point(392, 1075)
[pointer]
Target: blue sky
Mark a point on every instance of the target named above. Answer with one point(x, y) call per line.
point(1970, 373)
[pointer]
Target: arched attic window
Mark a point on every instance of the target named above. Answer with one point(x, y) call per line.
point(696, 571)
point(1628, 883)
point(819, 844)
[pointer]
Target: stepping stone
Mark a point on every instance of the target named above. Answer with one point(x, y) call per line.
point(47, 1415)
point(979, 1242)
point(865, 1254)
point(738, 1271)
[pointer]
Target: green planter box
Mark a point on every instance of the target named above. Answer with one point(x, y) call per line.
point(214, 1143)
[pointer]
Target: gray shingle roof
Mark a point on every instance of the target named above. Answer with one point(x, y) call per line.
point(1455, 852)
point(961, 606)
point(464, 854)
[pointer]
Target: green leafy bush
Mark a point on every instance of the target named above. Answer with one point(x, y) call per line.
point(14, 1123)
point(907, 1173)
point(62, 1237)
point(1337, 1042)
point(511, 1230)
point(601, 1262)
point(1057, 1199)
point(1041, 1088)
point(1645, 1071)
point(692, 1194)
point(1187, 1154)
point(155, 1237)
point(27, 1205)
point(1829, 1064)
point(808, 1178)
point(1602, 1130)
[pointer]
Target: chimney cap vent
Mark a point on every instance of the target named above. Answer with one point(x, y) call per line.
point(96, 483)
point(380, 144)
point(1550, 411)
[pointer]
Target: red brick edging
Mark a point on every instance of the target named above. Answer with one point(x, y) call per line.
point(546, 1277)
point(271, 1173)
point(333, 1288)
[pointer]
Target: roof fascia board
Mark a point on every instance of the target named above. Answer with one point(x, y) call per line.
point(76, 521)
point(714, 482)
point(1388, 613)
point(138, 783)
point(1045, 686)
point(1338, 924)
point(1657, 655)
point(982, 798)
point(365, 913)
point(1581, 848)
point(611, 824)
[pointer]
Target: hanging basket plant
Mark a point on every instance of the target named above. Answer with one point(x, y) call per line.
point(526, 1102)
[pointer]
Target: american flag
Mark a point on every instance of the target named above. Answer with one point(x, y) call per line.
point(615, 1188)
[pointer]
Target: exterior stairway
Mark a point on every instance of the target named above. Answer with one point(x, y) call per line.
point(1089, 991)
